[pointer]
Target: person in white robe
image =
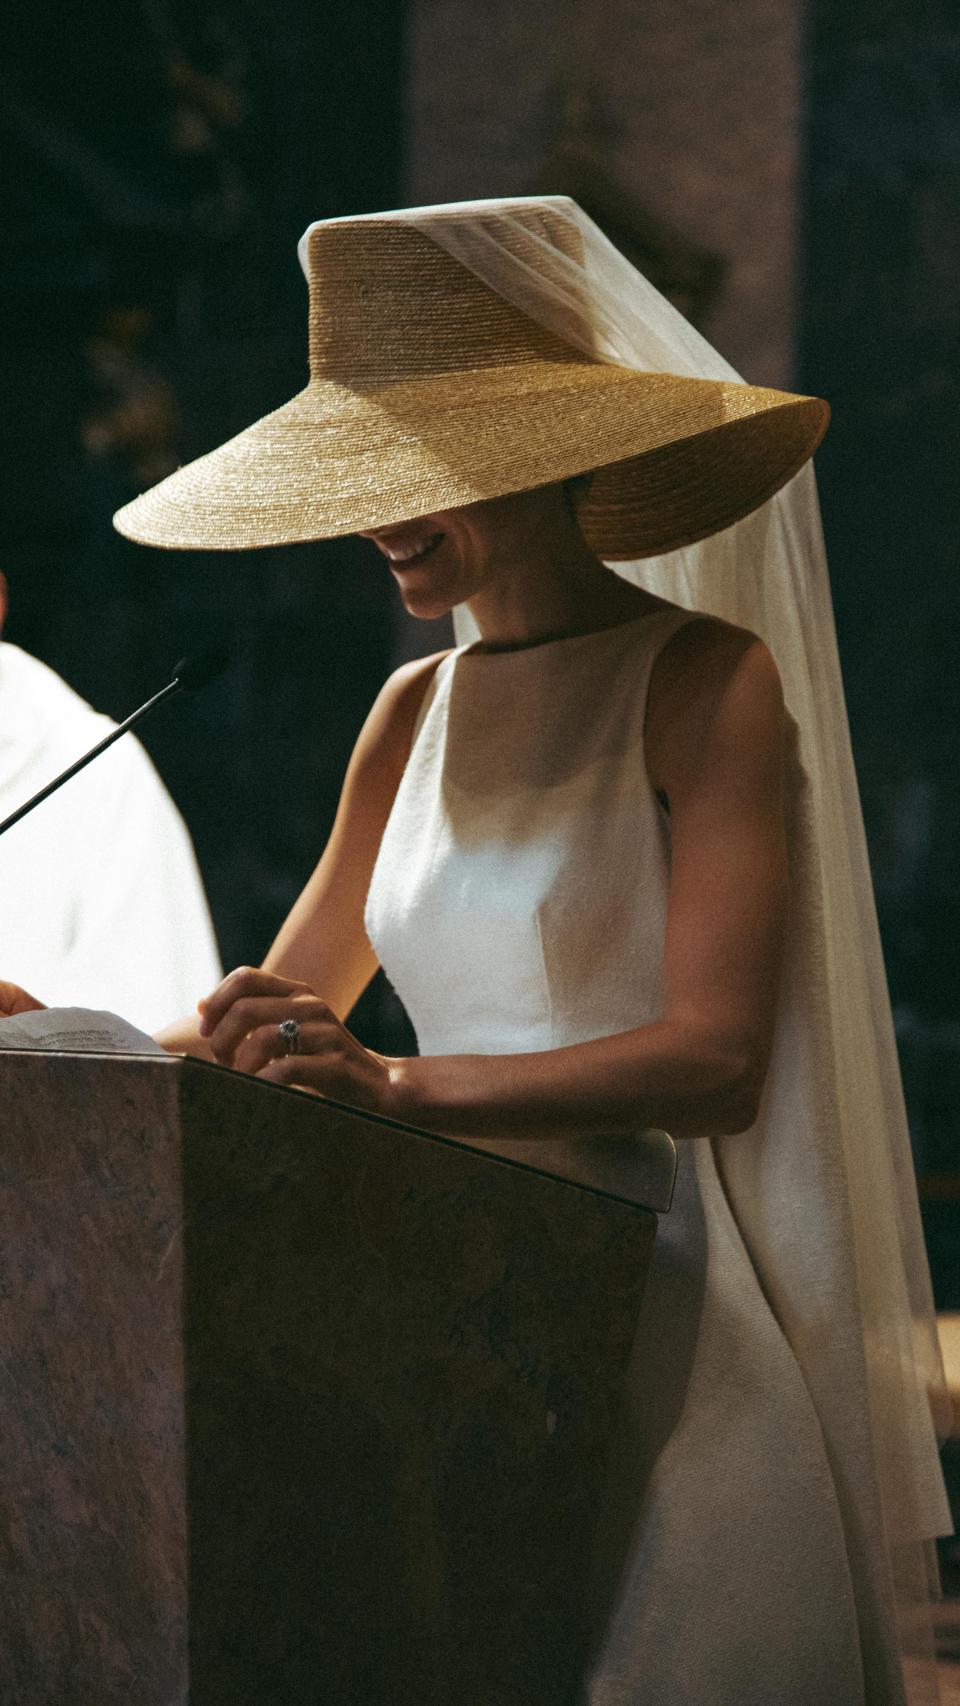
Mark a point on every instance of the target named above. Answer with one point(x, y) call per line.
point(101, 900)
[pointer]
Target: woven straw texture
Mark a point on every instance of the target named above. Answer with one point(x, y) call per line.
point(428, 391)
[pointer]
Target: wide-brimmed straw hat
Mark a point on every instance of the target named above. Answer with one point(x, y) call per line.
point(429, 391)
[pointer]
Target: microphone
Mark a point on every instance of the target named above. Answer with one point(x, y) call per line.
point(195, 671)
point(188, 675)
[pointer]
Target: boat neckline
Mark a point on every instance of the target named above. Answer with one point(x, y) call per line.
point(474, 648)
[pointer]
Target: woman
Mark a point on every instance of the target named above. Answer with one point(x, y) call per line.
point(619, 882)
point(714, 738)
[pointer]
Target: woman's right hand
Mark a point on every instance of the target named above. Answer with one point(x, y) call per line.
point(13, 999)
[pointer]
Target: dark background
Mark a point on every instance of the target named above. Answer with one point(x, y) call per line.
point(160, 162)
point(879, 310)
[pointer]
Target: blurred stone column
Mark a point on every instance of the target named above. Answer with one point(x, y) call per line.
point(700, 102)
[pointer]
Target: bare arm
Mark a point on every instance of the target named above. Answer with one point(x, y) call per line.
point(715, 746)
point(323, 942)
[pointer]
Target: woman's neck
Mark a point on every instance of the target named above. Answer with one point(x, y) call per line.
point(559, 589)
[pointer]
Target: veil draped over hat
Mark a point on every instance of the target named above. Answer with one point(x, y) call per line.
point(823, 1190)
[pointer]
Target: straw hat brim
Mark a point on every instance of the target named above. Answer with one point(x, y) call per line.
point(679, 458)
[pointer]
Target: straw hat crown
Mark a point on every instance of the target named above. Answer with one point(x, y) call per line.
point(369, 284)
point(428, 391)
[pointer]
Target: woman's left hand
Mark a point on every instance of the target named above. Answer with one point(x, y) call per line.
point(241, 1021)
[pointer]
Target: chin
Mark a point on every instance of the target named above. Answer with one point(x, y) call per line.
point(426, 601)
point(426, 608)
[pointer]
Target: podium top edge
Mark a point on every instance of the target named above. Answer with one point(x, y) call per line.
point(651, 1188)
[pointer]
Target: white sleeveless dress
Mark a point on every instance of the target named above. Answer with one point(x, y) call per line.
point(518, 903)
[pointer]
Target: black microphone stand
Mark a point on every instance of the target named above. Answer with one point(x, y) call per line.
point(187, 673)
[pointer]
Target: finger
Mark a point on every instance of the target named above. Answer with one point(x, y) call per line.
point(263, 1044)
point(243, 981)
point(248, 1013)
point(300, 1073)
point(13, 1000)
point(251, 1012)
point(292, 1071)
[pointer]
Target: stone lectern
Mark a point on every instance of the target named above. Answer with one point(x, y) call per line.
point(299, 1406)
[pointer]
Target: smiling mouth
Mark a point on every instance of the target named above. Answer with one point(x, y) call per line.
point(410, 556)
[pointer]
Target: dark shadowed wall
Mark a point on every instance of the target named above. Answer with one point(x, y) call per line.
point(879, 334)
point(692, 106)
point(165, 159)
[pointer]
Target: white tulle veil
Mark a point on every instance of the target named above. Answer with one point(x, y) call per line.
point(823, 1191)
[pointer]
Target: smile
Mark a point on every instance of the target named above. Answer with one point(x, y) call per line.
point(407, 556)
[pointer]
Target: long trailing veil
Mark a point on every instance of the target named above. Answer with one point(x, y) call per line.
point(823, 1188)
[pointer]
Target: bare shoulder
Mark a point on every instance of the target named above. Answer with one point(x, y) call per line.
point(715, 694)
point(385, 739)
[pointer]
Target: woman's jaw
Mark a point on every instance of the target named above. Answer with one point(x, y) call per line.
point(520, 562)
point(489, 553)
point(415, 553)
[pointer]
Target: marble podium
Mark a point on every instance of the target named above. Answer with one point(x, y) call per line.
point(298, 1406)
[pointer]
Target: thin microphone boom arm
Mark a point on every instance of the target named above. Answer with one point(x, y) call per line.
point(188, 673)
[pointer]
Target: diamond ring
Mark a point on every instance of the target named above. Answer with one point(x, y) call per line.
point(289, 1032)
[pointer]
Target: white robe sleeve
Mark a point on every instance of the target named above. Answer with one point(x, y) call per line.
point(142, 943)
point(101, 902)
